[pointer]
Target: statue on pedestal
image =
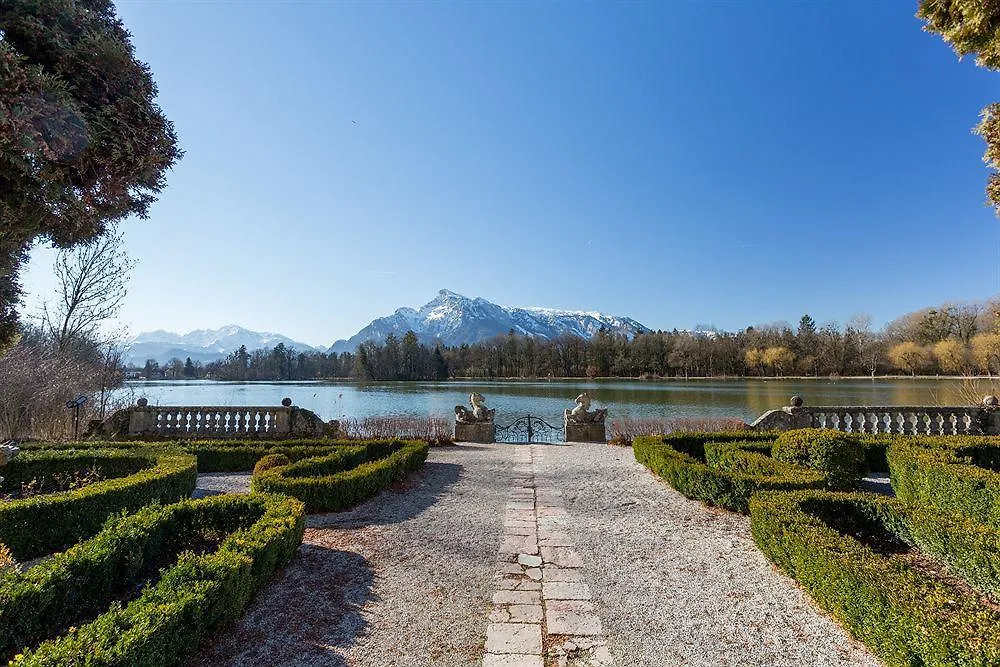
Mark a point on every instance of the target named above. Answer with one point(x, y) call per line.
point(475, 425)
point(478, 415)
point(581, 413)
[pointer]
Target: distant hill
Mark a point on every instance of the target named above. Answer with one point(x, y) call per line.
point(454, 319)
point(203, 345)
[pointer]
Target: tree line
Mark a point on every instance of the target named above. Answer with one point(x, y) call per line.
point(951, 339)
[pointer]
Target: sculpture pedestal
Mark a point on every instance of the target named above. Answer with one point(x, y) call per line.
point(593, 432)
point(479, 432)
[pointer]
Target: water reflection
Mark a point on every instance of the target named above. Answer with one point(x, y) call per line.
point(739, 398)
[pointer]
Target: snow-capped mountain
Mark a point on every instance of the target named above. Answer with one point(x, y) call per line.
point(203, 344)
point(454, 319)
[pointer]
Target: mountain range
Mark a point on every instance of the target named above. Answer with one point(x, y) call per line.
point(203, 345)
point(453, 319)
point(449, 319)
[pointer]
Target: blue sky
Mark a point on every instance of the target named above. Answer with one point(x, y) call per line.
point(729, 163)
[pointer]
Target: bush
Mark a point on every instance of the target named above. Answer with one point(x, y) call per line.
point(244, 540)
point(838, 455)
point(42, 524)
point(346, 477)
point(854, 554)
point(953, 474)
point(271, 461)
point(722, 469)
point(218, 455)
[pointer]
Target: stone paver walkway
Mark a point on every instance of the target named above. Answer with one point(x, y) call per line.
point(542, 606)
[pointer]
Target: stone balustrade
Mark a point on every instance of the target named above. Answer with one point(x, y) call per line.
point(983, 419)
point(169, 421)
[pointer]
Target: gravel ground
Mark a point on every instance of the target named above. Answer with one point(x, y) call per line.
point(678, 583)
point(214, 483)
point(404, 579)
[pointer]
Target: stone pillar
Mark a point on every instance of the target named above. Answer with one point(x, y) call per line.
point(991, 415)
point(482, 432)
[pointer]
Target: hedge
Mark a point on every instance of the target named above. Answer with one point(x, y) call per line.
point(838, 455)
point(954, 474)
point(852, 553)
point(341, 479)
point(65, 611)
point(45, 523)
point(722, 469)
point(222, 455)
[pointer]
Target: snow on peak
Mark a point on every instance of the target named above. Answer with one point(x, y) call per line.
point(453, 319)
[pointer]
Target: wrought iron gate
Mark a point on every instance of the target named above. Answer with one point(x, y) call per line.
point(528, 429)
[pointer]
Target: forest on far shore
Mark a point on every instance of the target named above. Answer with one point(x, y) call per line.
point(953, 339)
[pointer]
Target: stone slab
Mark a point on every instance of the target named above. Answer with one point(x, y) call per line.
point(565, 590)
point(519, 638)
point(496, 660)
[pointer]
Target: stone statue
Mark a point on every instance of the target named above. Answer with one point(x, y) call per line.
point(7, 452)
point(581, 413)
point(478, 415)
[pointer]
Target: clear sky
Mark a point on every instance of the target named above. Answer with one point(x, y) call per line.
point(728, 163)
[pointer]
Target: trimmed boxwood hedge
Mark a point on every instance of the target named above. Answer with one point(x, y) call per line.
point(722, 469)
point(65, 610)
point(852, 553)
point(221, 455)
point(45, 523)
point(346, 477)
point(838, 455)
point(954, 474)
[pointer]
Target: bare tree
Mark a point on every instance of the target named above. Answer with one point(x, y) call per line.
point(92, 284)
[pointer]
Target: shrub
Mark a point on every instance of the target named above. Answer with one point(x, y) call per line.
point(854, 554)
point(244, 539)
point(722, 469)
point(837, 455)
point(45, 523)
point(217, 455)
point(346, 477)
point(271, 461)
point(954, 474)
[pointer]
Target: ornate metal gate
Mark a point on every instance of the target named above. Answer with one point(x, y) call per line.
point(529, 429)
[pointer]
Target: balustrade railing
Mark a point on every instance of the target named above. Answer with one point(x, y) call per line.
point(211, 422)
point(200, 421)
point(981, 419)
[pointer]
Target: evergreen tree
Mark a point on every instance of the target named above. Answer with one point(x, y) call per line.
point(82, 141)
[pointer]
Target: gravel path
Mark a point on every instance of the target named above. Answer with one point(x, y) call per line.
point(677, 583)
point(404, 579)
point(411, 577)
point(215, 483)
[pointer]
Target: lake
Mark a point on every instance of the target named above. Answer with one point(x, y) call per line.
point(738, 398)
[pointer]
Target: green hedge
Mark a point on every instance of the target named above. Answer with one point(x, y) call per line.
point(222, 455)
point(64, 611)
point(722, 469)
point(46, 523)
point(852, 553)
point(344, 478)
point(838, 455)
point(955, 474)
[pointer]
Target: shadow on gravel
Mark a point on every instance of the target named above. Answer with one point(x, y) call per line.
point(302, 617)
point(400, 502)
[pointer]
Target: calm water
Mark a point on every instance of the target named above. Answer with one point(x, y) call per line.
point(743, 399)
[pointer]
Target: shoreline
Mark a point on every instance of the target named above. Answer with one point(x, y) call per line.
point(692, 378)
